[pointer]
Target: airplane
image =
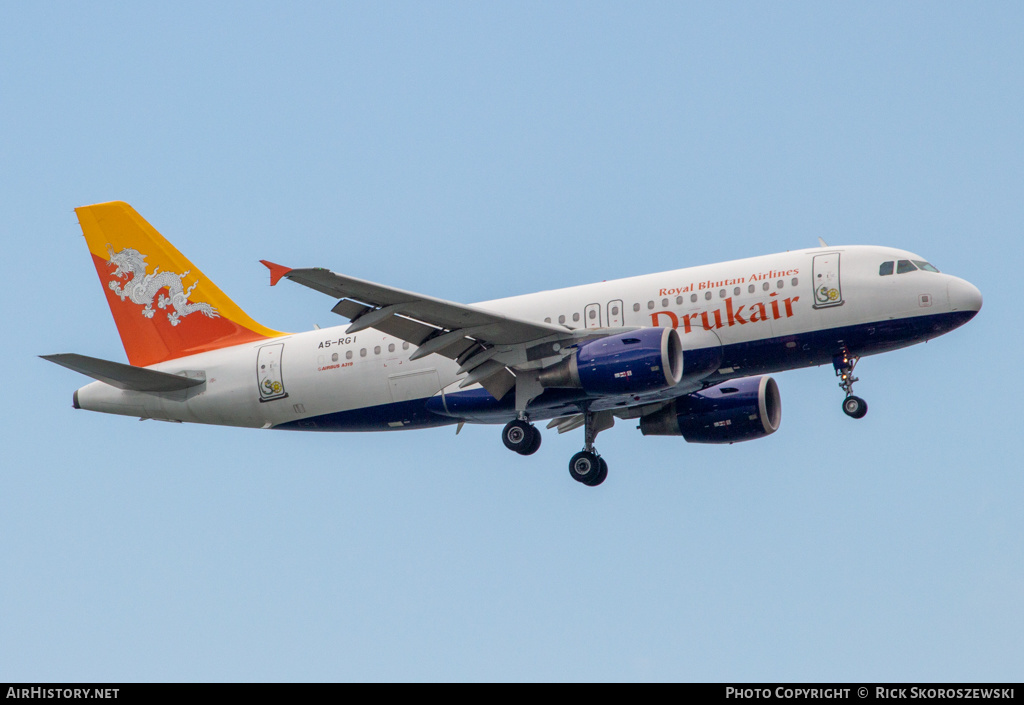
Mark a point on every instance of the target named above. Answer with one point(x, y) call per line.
point(684, 353)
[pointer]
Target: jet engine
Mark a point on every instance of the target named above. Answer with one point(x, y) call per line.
point(644, 360)
point(737, 410)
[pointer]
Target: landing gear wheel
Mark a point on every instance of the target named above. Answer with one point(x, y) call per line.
point(586, 467)
point(535, 445)
point(601, 476)
point(855, 407)
point(521, 436)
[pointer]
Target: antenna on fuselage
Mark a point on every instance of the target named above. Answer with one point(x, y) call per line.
point(822, 242)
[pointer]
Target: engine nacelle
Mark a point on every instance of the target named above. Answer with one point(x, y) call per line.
point(737, 410)
point(644, 360)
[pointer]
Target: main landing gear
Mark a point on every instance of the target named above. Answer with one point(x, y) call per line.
point(521, 436)
point(853, 406)
point(587, 466)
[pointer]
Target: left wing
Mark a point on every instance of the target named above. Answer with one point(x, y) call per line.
point(470, 335)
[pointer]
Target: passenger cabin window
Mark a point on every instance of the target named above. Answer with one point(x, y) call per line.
point(886, 269)
point(636, 307)
point(576, 316)
point(561, 319)
point(905, 265)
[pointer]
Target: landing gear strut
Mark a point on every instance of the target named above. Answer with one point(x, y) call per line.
point(587, 466)
point(521, 436)
point(853, 406)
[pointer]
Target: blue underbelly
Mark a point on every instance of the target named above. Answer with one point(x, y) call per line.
point(738, 360)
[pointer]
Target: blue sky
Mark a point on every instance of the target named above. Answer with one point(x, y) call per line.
point(472, 151)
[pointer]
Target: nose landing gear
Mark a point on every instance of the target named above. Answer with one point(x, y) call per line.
point(853, 406)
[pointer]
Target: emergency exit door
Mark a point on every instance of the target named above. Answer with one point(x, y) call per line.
point(615, 314)
point(268, 372)
point(825, 276)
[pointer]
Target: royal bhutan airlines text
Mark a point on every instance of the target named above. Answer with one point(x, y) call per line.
point(708, 284)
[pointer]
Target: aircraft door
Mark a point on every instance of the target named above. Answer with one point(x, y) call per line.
point(592, 315)
point(615, 314)
point(825, 278)
point(268, 372)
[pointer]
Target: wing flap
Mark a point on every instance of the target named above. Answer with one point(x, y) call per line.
point(406, 329)
point(499, 383)
point(350, 309)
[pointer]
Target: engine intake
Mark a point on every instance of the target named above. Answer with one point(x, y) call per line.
point(645, 360)
point(737, 410)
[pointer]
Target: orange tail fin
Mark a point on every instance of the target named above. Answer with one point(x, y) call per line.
point(164, 307)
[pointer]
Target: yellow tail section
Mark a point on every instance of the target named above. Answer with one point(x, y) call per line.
point(164, 307)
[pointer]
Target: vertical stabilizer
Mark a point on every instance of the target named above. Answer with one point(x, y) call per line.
point(164, 307)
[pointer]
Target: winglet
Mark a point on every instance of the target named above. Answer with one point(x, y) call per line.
point(276, 271)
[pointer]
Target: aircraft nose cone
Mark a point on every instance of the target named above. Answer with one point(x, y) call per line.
point(963, 296)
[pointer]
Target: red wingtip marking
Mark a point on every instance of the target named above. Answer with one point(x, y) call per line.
point(276, 271)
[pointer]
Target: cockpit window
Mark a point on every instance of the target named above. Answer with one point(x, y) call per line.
point(925, 266)
point(904, 266)
point(885, 269)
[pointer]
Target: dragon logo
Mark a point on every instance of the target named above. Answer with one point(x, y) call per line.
point(142, 287)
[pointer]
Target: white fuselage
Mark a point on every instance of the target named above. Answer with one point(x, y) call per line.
point(767, 313)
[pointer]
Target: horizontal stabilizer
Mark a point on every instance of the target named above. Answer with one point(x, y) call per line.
point(122, 376)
